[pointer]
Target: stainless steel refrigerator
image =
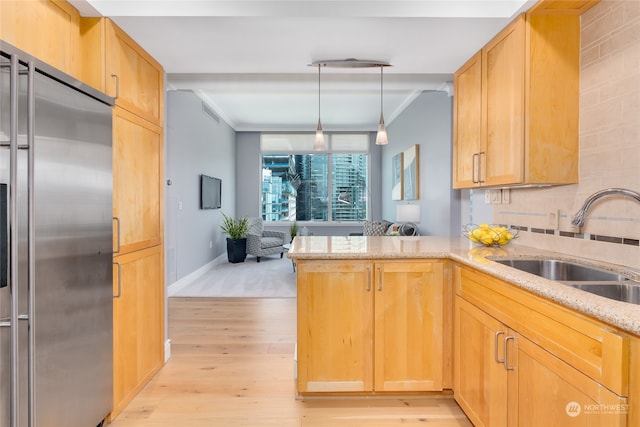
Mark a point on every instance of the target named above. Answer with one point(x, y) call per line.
point(56, 359)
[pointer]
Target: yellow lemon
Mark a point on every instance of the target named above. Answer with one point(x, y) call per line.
point(487, 238)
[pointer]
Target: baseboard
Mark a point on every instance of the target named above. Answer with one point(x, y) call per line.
point(167, 350)
point(176, 286)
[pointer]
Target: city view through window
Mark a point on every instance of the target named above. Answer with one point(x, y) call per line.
point(315, 187)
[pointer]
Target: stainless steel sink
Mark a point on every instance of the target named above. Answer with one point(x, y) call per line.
point(625, 292)
point(559, 270)
point(604, 283)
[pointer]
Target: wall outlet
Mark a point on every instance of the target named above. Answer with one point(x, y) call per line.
point(553, 220)
point(506, 196)
point(487, 197)
point(496, 197)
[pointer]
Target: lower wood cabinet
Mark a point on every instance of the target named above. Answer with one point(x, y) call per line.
point(503, 378)
point(479, 379)
point(370, 326)
point(138, 322)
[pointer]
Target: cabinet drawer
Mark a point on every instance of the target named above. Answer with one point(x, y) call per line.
point(586, 344)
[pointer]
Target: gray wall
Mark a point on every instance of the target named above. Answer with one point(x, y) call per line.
point(196, 144)
point(427, 122)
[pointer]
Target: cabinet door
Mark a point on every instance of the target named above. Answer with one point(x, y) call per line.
point(137, 181)
point(549, 392)
point(467, 131)
point(133, 77)
point(480, 380)
point(138, 323)
point(503, 68)
point(335, 326)
point(48, 30)
point(408, 325)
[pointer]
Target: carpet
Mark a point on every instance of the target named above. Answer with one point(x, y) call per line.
point(272, 277)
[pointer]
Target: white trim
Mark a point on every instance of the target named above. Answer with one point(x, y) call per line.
point(167, 350)
point(179, 284)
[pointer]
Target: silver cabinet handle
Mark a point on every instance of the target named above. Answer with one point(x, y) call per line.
point(119, 279)
point(117, 220)
point(379, 278)
point(115, 76)
point(368, 279)
point(495, 346)
point(480, 180)
point(506, 352)
point(473, 167)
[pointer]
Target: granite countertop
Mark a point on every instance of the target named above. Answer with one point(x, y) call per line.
point(622, 315)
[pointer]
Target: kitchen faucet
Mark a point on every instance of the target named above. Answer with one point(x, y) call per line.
point(578, 219)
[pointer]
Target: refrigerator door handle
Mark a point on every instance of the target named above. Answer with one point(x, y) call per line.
point(31, 245)
point(13, 241)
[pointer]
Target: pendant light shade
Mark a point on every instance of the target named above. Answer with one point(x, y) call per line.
point(381, 136)
point(318, 141)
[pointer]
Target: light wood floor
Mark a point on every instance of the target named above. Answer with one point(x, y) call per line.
point(232, 365)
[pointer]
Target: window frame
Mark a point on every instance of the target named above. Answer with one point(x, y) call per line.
point(329, 151)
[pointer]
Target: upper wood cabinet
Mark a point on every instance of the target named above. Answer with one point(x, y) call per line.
point(137, 182)
point(516, 106)
point(467, 112)
point(562, 7)
point(368, 326)
point(45, 29)
point(117, 65)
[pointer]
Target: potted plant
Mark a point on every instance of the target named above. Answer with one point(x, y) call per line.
point(293, 230)
point(237, 240)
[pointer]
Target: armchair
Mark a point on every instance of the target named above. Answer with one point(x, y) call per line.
point(262, 242)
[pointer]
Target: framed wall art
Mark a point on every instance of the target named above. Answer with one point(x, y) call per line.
point(411, 173)
point(397, 171)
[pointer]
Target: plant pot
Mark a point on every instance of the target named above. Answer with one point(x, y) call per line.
point(236, 249)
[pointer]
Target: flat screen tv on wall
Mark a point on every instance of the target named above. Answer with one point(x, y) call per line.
point(210, 192)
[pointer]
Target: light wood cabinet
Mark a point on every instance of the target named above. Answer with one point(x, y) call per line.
point(341, 304)
point(138, 326)
point(504, 374)
point(137, 182)
point(480, 380)
point(117, 65)
point(527, 132)
point(549, 392)
point(562, 7)
point(409, 325)
point(46, 29)
point(335, 326)
point(138, 207)
point(467, 112)
point(133, 77)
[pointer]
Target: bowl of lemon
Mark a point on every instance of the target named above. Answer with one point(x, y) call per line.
point(489, 234)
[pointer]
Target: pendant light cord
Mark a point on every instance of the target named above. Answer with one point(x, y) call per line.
point(381, 68)
point(319, 92)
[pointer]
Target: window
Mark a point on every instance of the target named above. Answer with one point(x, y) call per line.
point(299, 184)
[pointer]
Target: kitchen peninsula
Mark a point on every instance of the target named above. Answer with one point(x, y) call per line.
point(379, 315)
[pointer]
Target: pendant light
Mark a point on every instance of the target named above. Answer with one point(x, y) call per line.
point(318, 142)
point(381, 136)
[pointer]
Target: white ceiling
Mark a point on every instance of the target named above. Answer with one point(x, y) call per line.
point(249, 59)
